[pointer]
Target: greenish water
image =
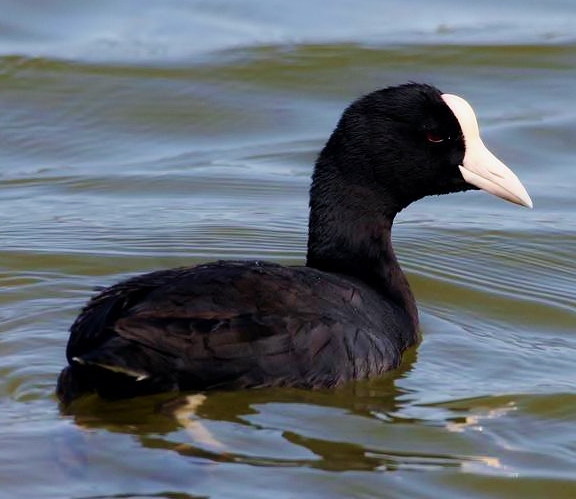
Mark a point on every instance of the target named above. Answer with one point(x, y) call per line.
point(136, 135)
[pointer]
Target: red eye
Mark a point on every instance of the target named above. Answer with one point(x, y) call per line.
point(435, 138)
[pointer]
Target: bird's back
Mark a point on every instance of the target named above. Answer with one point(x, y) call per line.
point(232, 325)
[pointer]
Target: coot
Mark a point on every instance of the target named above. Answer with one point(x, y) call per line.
point(347, 314)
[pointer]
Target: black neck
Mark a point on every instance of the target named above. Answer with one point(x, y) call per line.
point(350, 233)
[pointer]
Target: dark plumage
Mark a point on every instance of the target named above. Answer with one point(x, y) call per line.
point(348, 314)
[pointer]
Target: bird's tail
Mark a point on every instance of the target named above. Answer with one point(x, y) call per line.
point(114, 371)
point(72, 383)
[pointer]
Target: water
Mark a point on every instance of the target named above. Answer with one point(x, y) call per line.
point(136, 135)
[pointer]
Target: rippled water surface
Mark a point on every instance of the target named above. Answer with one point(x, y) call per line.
point(136, 135)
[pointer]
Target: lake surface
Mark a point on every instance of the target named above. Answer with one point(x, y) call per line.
point(137, 135)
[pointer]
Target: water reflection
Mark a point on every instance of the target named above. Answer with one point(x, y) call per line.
point(349, 429)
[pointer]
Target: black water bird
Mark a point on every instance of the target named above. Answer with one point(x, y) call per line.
point(347, 314)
